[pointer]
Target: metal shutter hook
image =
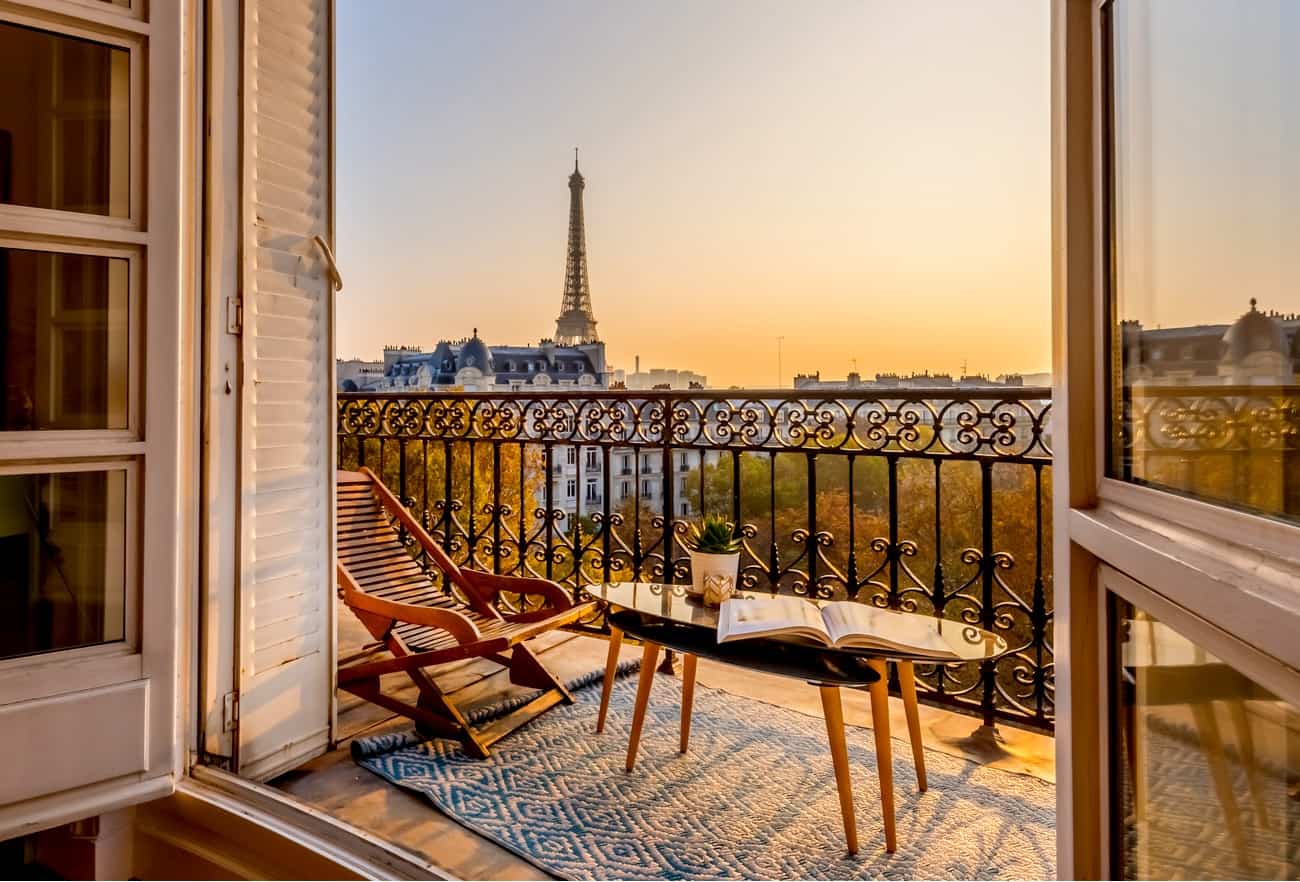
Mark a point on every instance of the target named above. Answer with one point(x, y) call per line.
point(331, 266)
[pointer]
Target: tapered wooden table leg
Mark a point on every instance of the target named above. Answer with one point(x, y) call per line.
point(648, 659)
point(688, 697)
point(1207, 726)
point(834, 713)
point(1246, 749)
point(907, 685)
point(884, 754)
point(611, 668)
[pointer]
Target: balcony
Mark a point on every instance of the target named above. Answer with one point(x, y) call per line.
point(937, 503)
point(928, 501)
point(903, 500)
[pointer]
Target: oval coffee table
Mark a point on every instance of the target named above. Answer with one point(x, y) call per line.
point(667, 616)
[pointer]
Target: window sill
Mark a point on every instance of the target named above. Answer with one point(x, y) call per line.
point(1242, 590)
point(352, 851)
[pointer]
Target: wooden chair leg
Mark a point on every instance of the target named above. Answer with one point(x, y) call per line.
point(648, 659)
point(526, 669)
point(426, 721)
point(688, 698)
point(611, 668)
point(907, 686)
point(834, 713)
point(1207, 726)
point(433, 701)
point(884, 752)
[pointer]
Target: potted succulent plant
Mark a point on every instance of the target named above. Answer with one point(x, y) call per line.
point(715, 559)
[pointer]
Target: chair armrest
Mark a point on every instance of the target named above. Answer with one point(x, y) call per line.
point(454, 623)
point(489, 585)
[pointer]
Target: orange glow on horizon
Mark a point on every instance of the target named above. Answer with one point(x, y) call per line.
point(869, 181)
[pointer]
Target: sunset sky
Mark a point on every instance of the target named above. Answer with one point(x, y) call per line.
point(1207, 180)
point(869, 180)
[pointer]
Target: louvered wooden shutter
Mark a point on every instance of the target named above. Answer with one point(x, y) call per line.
point(286, 597)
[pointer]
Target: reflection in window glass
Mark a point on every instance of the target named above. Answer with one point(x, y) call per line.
point(63, 341)
point(64, 139)
point(1206, 268)
point(1208, 762)
point(62, 560)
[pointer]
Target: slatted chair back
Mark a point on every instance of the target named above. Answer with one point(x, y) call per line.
point(371, 550)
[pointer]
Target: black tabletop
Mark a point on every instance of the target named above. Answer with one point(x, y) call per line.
point(675, 604)
point(809, 663)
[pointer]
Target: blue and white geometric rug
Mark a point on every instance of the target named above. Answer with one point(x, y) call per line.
point(754, 798)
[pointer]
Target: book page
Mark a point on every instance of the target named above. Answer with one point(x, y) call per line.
point(761, 617)
point(850, 623)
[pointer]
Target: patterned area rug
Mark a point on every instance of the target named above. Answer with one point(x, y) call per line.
point(1182, 832)
point(754, 798)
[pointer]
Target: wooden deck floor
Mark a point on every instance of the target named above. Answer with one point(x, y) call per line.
point(334, 784)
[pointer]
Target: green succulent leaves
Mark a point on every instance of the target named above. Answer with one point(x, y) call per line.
point(713, 535)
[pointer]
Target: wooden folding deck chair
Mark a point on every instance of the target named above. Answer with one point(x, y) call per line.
point(422, 626)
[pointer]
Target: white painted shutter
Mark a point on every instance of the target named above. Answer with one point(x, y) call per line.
point(286, 654)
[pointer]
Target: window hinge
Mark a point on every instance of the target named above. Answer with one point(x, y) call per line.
point(219, 760)
point(229, 711)
point(234, 315)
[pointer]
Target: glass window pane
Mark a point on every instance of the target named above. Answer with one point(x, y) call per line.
point(1208, 762)
point(1206, 266)
point(63, 341)
point(62, 560)
point(64, 139)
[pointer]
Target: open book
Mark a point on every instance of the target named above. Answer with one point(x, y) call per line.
point(844, 624)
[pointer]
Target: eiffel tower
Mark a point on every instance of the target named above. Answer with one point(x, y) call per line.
point(576, 323)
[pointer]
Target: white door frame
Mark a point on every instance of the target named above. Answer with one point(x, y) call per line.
point(1172, 554)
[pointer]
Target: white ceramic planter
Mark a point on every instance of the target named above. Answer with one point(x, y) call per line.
point(713, 576)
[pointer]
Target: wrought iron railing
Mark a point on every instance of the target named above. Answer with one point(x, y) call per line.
point(1232, 444)
point(934, 501)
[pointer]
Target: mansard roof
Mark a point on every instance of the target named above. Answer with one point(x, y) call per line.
point(508, 364)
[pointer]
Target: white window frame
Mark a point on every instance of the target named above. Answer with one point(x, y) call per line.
point(1182, 554)
point(131, 688)
point(40, 675)
point(54, 443)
